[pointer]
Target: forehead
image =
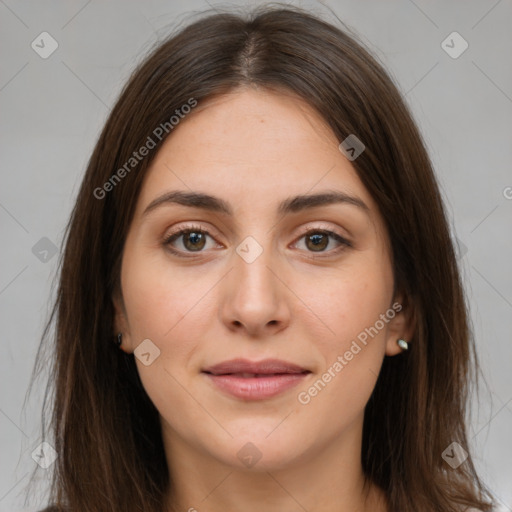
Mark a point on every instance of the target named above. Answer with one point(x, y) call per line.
point(251, 147)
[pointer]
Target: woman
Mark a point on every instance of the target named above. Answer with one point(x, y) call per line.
point(259, 303)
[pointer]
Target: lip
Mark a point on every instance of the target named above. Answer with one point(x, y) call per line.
point(255, 380)
point(264, 367)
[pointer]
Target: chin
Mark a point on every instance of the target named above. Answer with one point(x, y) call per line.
point(262, 449)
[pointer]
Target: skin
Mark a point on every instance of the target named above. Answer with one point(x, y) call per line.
point(254, 148)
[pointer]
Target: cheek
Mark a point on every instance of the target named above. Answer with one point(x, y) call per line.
point(351, 305)
point(173, 308)
point(160, 305)
point(156, 297)
point(347, 302)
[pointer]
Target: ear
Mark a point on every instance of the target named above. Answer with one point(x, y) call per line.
point(121, 322)
point(402, 325)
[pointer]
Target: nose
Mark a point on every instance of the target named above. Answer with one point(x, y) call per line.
point(255, 298)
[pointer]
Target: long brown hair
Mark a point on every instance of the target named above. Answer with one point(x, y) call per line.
point(103, 425)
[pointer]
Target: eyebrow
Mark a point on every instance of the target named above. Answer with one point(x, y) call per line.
point(291, 205)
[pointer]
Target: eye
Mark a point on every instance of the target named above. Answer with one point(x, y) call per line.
point(318, 240)
point(193, 239)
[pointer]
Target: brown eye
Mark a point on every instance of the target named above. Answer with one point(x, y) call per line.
point(194, 240)
point(317, 241)
point(188, 240)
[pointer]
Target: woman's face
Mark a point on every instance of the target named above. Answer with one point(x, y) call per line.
point(258, 277)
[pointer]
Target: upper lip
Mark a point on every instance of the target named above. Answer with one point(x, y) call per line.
point(267, 366)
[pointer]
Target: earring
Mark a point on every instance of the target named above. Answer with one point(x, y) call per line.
point(402, 344)
point(119, 339)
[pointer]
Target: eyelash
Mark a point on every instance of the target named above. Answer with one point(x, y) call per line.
point(197, 229)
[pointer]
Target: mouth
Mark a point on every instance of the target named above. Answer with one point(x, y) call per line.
point(252, 368)
point(250, 380)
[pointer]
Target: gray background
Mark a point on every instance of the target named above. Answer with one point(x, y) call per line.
point(53, 109)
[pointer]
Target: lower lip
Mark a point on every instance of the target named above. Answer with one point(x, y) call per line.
point(256, 388)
